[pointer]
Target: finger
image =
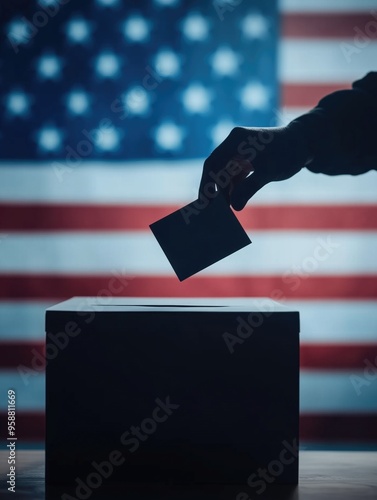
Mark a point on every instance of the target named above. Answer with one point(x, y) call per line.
point(246, 189)
point(218, 160)
point(207, 184)
point(245, 168)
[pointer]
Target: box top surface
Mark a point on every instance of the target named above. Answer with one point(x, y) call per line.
point(131, 304)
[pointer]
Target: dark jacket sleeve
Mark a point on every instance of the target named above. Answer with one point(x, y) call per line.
point(342, 130)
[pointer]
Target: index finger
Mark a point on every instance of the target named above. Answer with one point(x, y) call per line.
point(216, 162)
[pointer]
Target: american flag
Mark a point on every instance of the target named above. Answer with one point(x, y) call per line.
point(108, 109)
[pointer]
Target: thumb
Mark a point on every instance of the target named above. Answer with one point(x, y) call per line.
point(246, 189)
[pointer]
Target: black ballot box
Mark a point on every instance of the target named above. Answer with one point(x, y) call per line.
point(171, 391)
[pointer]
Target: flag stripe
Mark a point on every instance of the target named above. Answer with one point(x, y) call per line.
point(307, 95)
point(313, 427)
point(312, 356)
point(338, 427)
point(295, 54)
point(313, 6)
point(135, 183)
point(330, 25)
point(58, 287)
point(337, 356)
point(323, 322)
point(90, 217)
point(13, 354)
point(299, 254)
point(30, 425)
point(338, 391)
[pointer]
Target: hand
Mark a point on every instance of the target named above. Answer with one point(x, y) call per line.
point(250, 158)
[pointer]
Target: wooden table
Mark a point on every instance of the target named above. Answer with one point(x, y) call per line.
point(325, 475)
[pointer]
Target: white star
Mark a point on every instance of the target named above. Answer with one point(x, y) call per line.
point(136, 28)
point(196, 98)
point(136, 100)
point(167, 3)
point(107, 138)
point(49, 138)
point(18, 103)
point(77, 102)
point(49, 66)
point(254, 95)
point(108, 3)
point(168, 136)
point(225, 61)
point(167, 63)
point(255, 26)
point(195, 27)
point(18, 32)
point(78, 30)
point(107, 65)
point(221, 130)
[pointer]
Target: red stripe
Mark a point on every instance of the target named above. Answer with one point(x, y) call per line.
point(336, 356)
point(58, 287)
point(313, 427)
point(13, 354)
point(312, 356)
point(345, 25)
point(339, 427)
point(309, 217)
point(30, 426)
point(55, 217)
point(307, 95)
point(77, 217)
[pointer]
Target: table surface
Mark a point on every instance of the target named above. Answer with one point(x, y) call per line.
point(325, 475)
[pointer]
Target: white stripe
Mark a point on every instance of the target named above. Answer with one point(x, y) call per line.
point(319, 392)
point(325, 61)
point(171, 183)
point(338, 321)
point(23, 320)
point(133, 182)
point(29, 387)
point(272, 252)
point(327, 5)
point(320, 321)
point(343, 392)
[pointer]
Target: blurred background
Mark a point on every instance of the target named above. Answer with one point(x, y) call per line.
point(108, 109)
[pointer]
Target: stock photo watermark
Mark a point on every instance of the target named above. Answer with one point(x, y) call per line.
point(28, 28)
point(222, 179)
point(247, 151)
point(363, 36)
point(310, 264)
point(75, 155)
point(223, 6)
point(245, 328)
point(57, 342)
point(131, 439)
point(369, 376)
point(265, 476)
point(293, 277)
point(11, 440)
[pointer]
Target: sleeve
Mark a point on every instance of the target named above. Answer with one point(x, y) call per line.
point(341, 131)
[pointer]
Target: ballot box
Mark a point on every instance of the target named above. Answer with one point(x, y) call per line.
point(172, 392)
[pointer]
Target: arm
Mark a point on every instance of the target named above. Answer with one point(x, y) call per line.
point(338, 136)
point(342, 130)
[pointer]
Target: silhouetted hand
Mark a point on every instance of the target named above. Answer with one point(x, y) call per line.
point(250, 158)
point(338, 136)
